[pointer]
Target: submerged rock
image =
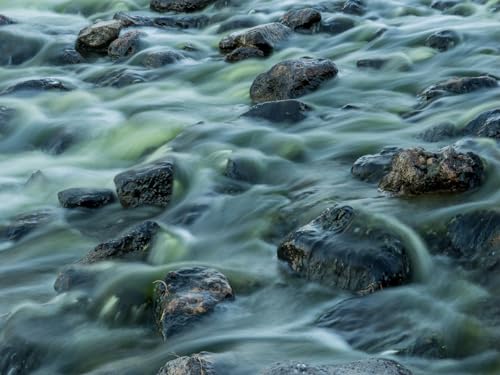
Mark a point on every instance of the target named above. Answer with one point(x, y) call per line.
point(341, 249)
point(416, 171)
point(337, 25)
point(238, 22)
point(85, 197)
point(291, 111)
point(458, 86)
point(34, 86)
point(149, 184)
point(6, 115)
point(17, 48)
point(19, 358)
point(442, 40)
point(96, 38)
point(356, 7)
point(4, 20)
point(291, 79)
point(439, 132)
point(158, 59)
point(196, 364)
point(302, 20)
point(187, 295)
point(375, 63)
point(372, 168)
point(181, 22)
point(68, 56)
point(444, 4)
point(263, 38)
point(24, 224)
point(119, 78)
point(125, 46)
point(180, 5)
point(487, 124)
point(244, 53)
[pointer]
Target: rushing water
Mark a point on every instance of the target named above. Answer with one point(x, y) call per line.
point(190, 111)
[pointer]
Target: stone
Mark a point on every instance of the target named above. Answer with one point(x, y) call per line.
point(442, 40)
point(25, 224)
point(439, 132)
point(4, 20)
point(340, 249)
point(196, 364)
point(184, 22)
point(337, 25)
point(150, 184)
point(356, 7)
point(187, 295)
point(158, 59)
point(374, 63)
point(487, 124)
point(17, 48)
point(244, 53)
point(291, 111)
point(416, 171)
point(291, 79)
point(125, 46)
point(119, 78)
point(372, 168)
point(302, 20)
point(96, 38)
point(19, 359)
point(85, 197)
point(238, 22)
point(69, 56)
point(36, 86)
point(458, 86)
point(180, 6)
point(443, 4)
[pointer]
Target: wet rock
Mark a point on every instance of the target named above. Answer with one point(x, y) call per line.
point(241, 169)
point(150, 184)
point(374, 63)
point(243, 53)
point(85, 197)
point(458, 86)
point(372, 168)
point(16, 49)
point(119, 78)
point(69, 56)
point(158, 59)
point(57, 142)
point(337, 25)
point(416, 171)
point(302, 20)
point(291, 79)
point(19, 359)
point(196, 364)
point(439, 132)
point(487, 124)
point(442, 40)
point(187, 295)
point(356, 7)
point(4, 20)
point(265, 38)
point(291, 111)
point(185, 22)
point(34, 86)
point(341, 249)
point(128, 20)
point(234, 23)
point(365, 367)
point(444, 4)
point(96, 38)
point(179, 5)
point(24, 224)
point(125, 46)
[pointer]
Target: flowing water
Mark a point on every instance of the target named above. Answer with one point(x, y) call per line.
point(190, 111)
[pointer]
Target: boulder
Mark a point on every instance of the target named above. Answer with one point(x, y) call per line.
point(85, 197)
point(487, 124)
point(35, 86)
point(290, 111)
point(68, 56)
point(180, 22)
point(118, 78)
point(179, 5)
point(126, 45)
point(157, 59)
point(342, 249)
point(196, 364)
point(442, 40)
point(302, 20)
point(374, 63)
point(444, 4)
point(150, 184)
point(243, 53)
point(291, 79)
point(457, 86)
point(372, 168)
point(24, 224)
point(337, 25)
point(356, 7)
point(187, 295)
point(96, 38)
point(439, 132)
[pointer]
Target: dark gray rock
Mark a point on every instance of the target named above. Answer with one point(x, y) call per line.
point(291, 111)
point(416, 171)
point(96, 38)
point(35, 86)
point(128, 20)
point(444, 4)
point(57, 141)
point(126, 45)
point(439, 132)
point(442, 40)
point(150, 184)
point(157, 59)
point(372, 168)
point(24, 224)
point(187, 295)
point(243, 53)
point(180, 5)
point(196, 364)
point(291, 79)
point(374, 63)
point(184, 22)
point(68, 56)
point(118, 78)
point(457, 86)
point(4, 20)
point(265, 38)
point(241, 169)
point(337, 25)
point(85, 197)
point(356, 7)
point(19, 358)
point(302, 20)
point(487, 124)
point(341, 249)
point(238, 22)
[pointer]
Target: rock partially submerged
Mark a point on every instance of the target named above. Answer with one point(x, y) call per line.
point(85, 197)
point(68, 56)
point(157, 59)
point(442, 40)
point(4, 20)
point(180, 22)
point(444, 4)
point(24, 224)
point(291, 79)
point(487, 124)
point(416, 171)
point(96, 38)
point(337, 25)
point(34, 86)
point(196, 364)
point(124, 46)
point(150, 184)
point(291, 111)
point(187, 295)
point(179, 5)
point(373, 63)
point(457, 86)
point(342, 249)
point(302, 20)
point(356, 7)
point(372, 168)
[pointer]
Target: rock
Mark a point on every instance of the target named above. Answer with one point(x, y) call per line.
point(69, 56)
point(96, 38)
point(291, 79)
point(161, 58)
point(442, 40)
point(302, 20)
point(487, 124)
point(150, 184)
point(196, 364)
point(16, 48)
point(241, 169)
point(439, 132)
point(416, 171)
point(4, 20)
point(185, 22)
point(375, 63)
point(125, 46)
point(187, 295)
point(291, 111)
point(118, 78)
point(35, 86)
point(179, 5)
point(57, 142)
point(128, 20)
point(19, 358)
point(337, 25)
point(340, 249)
point(356, 7)
point(458, 86)
point(366, 367)
point(85, 197)
point(243, 53)
point(443, 4)
point(265, 38)
point(372, 168)
point(24, 224)
point(238, 22)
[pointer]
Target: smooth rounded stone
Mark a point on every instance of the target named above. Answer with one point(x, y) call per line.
point(372, 168)
point(35, 86)
point(263, 37)
point(184, 22)
point(375, 366)
point(238, 22)
point(444, 4)
point(442, 40)
point(158, 59)
point(85, 197)
point(196, 364)
point(243, 53)
point(150, 184)
point(291, 111)
point(416, 171)
point(458, 86)
point(487, 124)
point(356, 7)
point(24, 224)
point(68, 56)
point(242, 169)
point(291, 79)
point(340, 249)
point(128, 20)
point(180, 5)
point(97, 37)
point(125, 46)
point(187, 295)
point(337, 25)
point(439, 132)
point(374, 63)
point(302, 20)
point(4, 20)
point(119, 78)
